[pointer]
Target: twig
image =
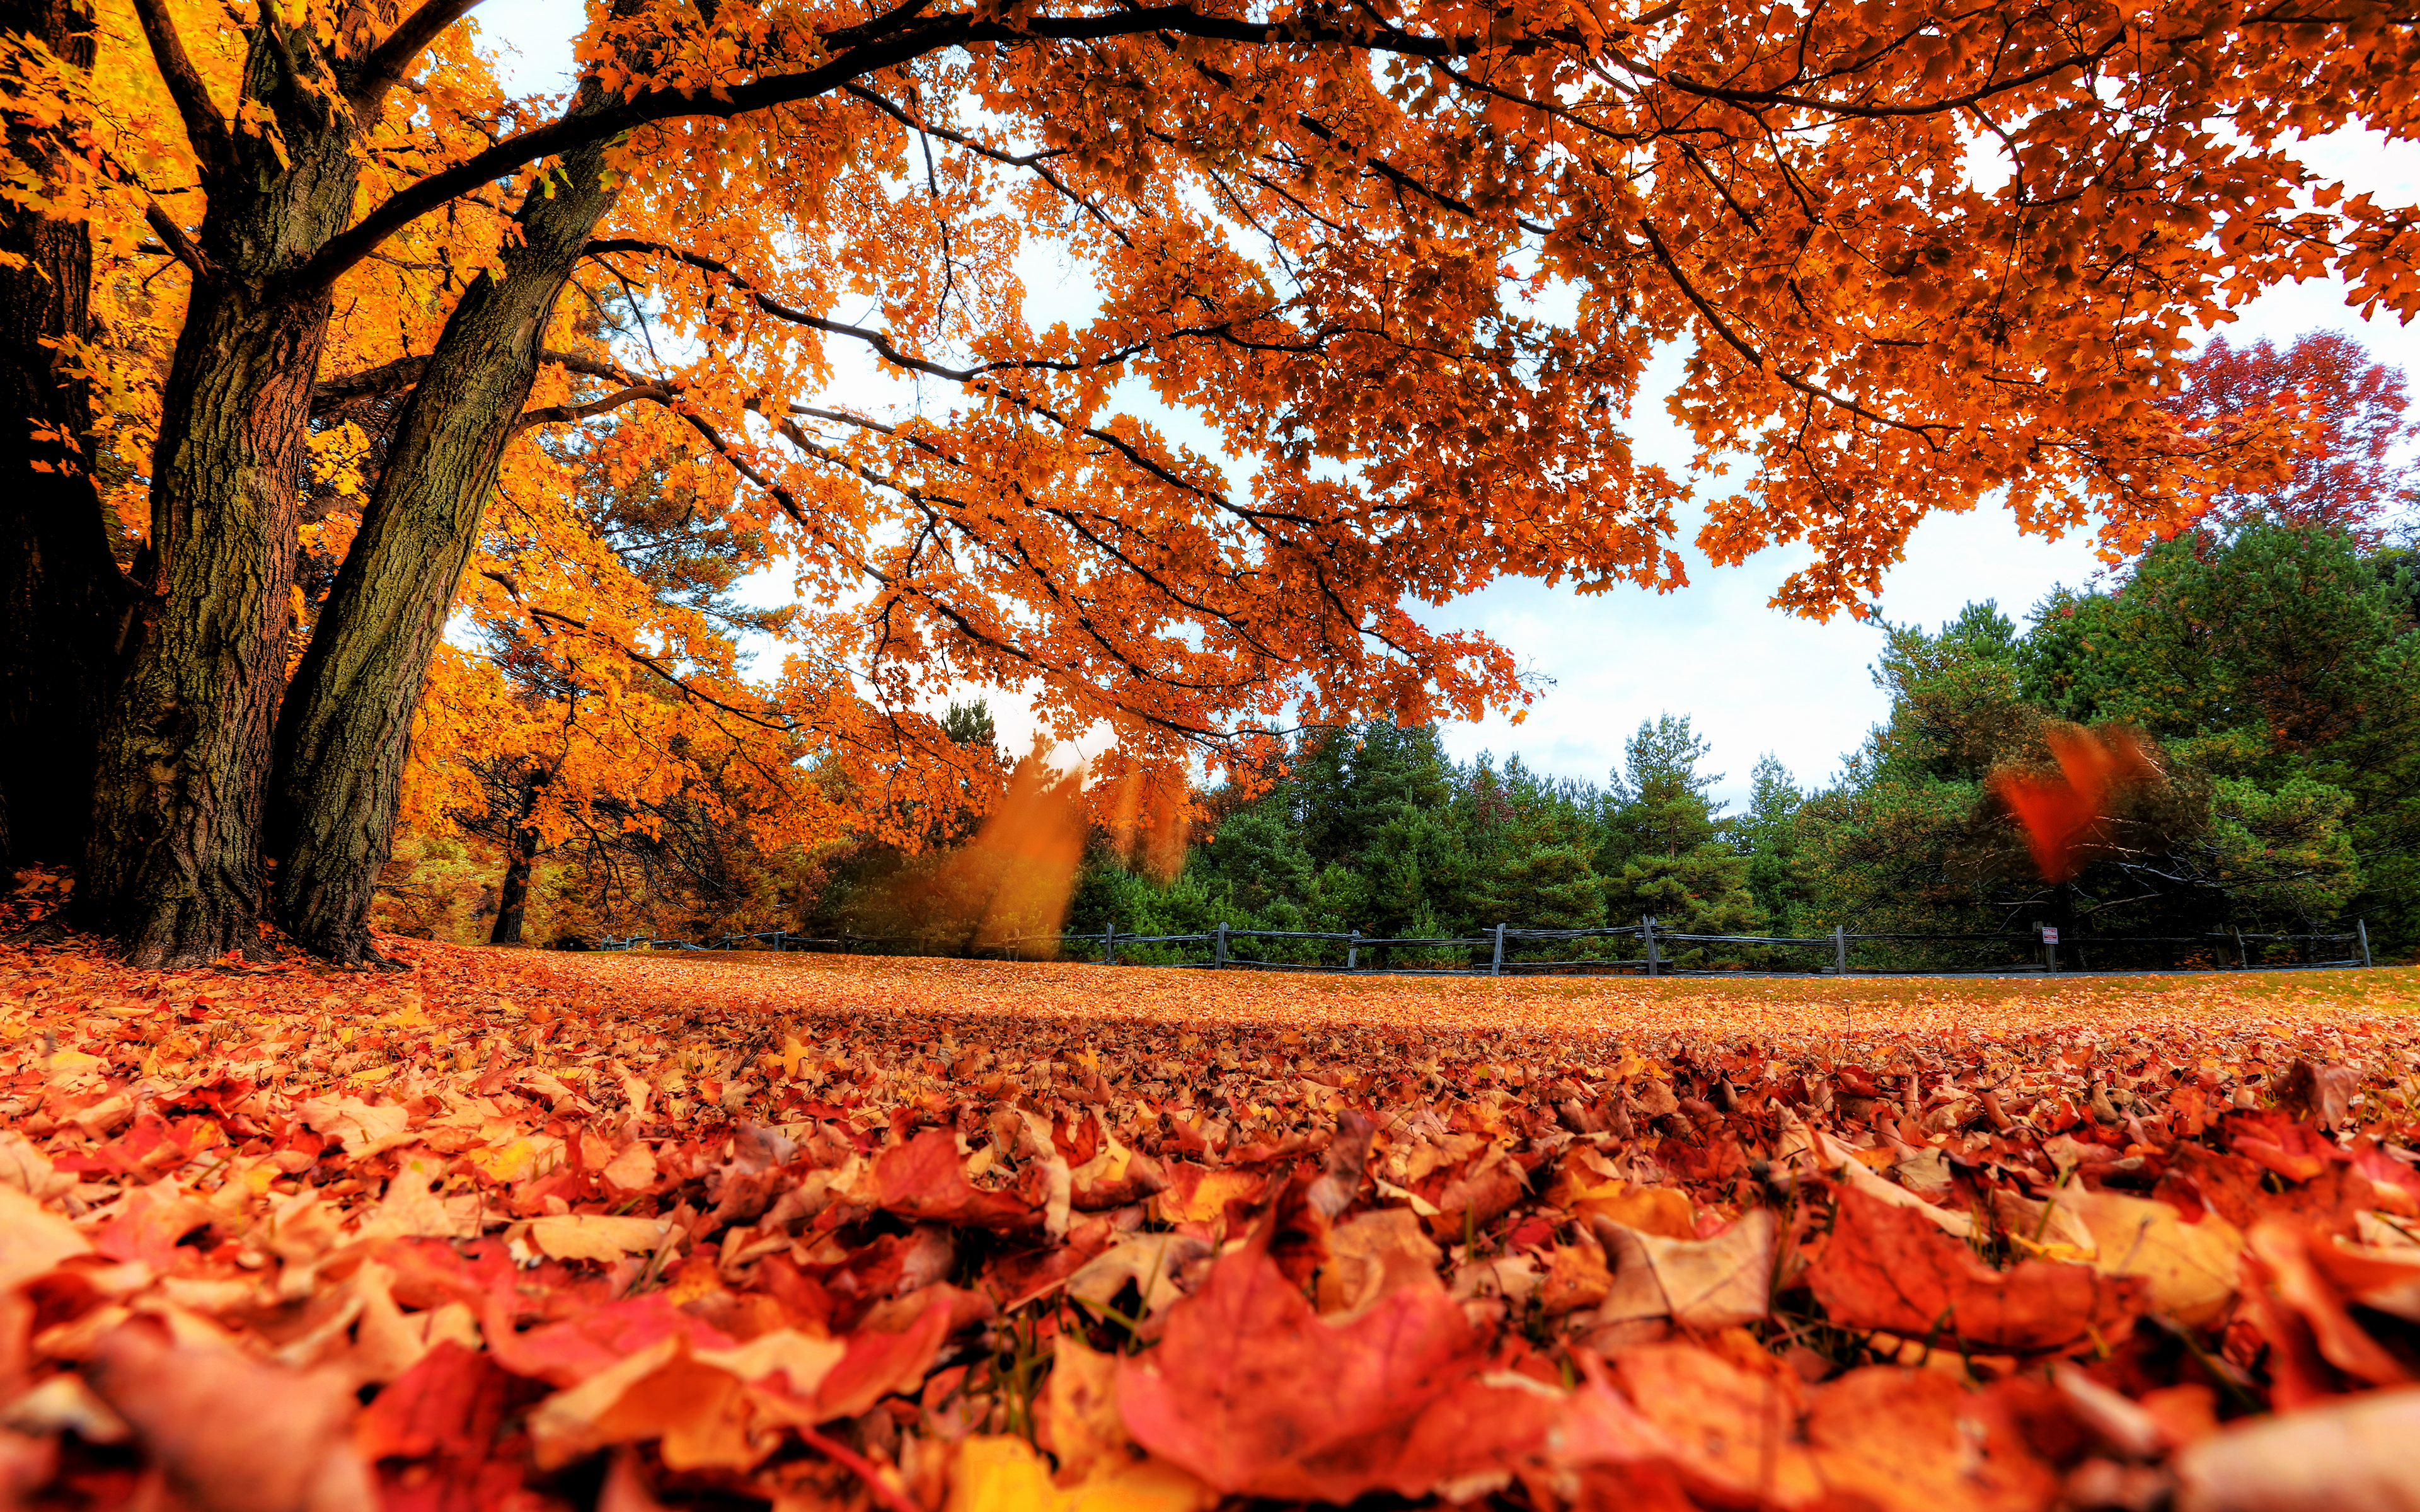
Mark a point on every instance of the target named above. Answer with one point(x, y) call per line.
point(863, 1468)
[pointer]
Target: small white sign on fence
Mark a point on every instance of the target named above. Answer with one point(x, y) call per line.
point(2050, 934)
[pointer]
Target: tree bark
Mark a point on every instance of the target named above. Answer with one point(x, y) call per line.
point(513, 897)
point(173, 865)
point(63, 601)
point(346, 727)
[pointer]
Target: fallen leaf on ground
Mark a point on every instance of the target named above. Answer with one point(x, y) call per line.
point(1888, 1268)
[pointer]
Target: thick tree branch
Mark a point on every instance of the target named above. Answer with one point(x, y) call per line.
point(887, 50)
point(391, 59)
point(330, 395)
point(212, 141)
point(173, 237)
point(556, 414)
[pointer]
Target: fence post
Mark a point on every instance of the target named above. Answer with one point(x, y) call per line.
point(1647, 932)
point(2243, 960)
point(2361, 928)
point(1109, 945)
point(1353, 953)
point(1840, 949)
point(1496, 967)
point(1219, 955)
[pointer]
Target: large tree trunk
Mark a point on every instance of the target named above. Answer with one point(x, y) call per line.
point(173, 867)
point(512, 899)
point(63, 601)
point(347, 723)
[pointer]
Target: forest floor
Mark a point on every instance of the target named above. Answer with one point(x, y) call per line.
point(626, 1231)
point(1566, 1008)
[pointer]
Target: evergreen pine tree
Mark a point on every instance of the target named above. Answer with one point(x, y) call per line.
point(1768, 833)
point(1662, 854)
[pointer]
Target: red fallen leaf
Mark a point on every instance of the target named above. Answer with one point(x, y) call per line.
point(229, 1431)
point(891, 1265)
point(2330, 1200)
point(1890, 1268)
point(878, 1365)
point(153, 1143)
point(925, 1179)
point(1182, 1138)
point(451, 1402)
point(1078, 1139)
point(1476, 1195)
point(2395, 1184)
point(1734, 1430)
point(217, 1096)
point(430, 1272)
point(2280, 1254)
point(1016, 1279)
point(1915, 1441)
point(1114, 1179)
point(569, 1352)
point(2294, 1150)
point(1293, 1144)
point(1476, 1428)
point(805, 1299)
point(1254, 1393)
point(2291, 1165)
point(148, 1222)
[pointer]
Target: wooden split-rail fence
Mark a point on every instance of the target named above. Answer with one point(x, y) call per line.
point(1646, 949)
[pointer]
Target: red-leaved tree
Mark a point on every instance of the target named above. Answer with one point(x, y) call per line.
point(2348, 475)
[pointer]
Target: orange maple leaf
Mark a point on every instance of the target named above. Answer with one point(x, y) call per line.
point(2061, 814)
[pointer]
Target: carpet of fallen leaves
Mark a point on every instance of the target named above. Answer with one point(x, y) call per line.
point(513, 1230)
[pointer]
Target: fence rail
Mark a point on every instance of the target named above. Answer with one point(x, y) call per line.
point(1661, 953)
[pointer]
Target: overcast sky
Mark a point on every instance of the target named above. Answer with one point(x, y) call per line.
point(1751, 679)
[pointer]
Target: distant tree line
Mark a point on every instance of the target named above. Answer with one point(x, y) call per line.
point(2271, 668)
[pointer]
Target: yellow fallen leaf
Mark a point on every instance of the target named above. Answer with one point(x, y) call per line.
point(1151, 1262)
point(702, 1415)
point(1705, 1283)
point(363, 1129)
point(1372, 1254)
point(804, 1359)
point(592, 1236)
point(1650, 1210)
point(1000, 1473)
point(1209, 1198)
point(1077, 1418)
point(632, 1171)
point(32, 1239)
point(2190, 1269)
point(517, 1159)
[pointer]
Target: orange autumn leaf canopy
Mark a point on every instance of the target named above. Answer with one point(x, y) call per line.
point(2064, 814)
point(1404, 268)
